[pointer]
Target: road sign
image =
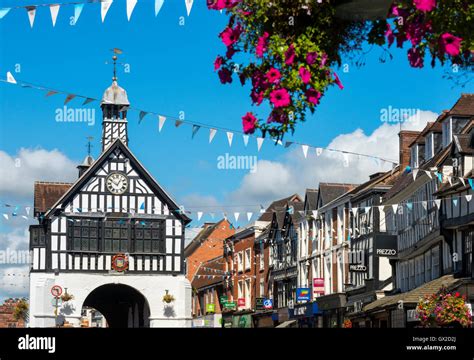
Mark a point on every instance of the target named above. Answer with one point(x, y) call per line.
point(268, 304)
point(56, 290)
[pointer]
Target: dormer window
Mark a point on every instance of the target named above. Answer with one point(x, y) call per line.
point(447, 132)
point(429, 146)
point(414, 157)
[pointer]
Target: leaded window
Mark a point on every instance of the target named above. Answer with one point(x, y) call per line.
point(116, 236)
point(149, 237)
point(83, 234)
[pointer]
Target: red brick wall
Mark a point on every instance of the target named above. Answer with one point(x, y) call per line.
point(211, 248)
point(6, 315)
point(240, 246)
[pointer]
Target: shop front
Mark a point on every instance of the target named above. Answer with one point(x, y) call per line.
point(307, 315)
point(333, 307)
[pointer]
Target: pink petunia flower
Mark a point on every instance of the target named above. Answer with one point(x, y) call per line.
point(277, 116)
point(249, 122)
point(230, 52)
point(222, 4)
point(257, 97)
point(389, 35)
point(450, 44)
point(305, 75)
point(273, 75)
point(313, 96)
point(324, 58)
point(414, 57)
point(290, 55)
point(311, 57)
point(230, 35)
point(218, 63)
point(425, 5)
point(337, 81)
point(225, 76)
point(262, 44)
point(280, 98)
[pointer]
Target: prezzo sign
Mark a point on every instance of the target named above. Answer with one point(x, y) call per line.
point(386, 252)
point(357, 268)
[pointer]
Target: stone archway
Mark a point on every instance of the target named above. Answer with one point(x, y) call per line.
point(121, 305)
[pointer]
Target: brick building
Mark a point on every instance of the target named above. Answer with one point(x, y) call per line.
point(207, 245)
point(6, 315)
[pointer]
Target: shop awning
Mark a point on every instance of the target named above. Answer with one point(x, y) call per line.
point(413, 296)
point(286, 324)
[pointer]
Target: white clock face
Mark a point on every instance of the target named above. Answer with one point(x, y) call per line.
point(117, 183)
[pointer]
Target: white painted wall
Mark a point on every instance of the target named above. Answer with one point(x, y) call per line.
point(152, 287)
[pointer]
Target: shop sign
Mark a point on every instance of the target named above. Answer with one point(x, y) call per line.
point(259, 303)
point(211, 308)
point(241, 302)
point(230, 305)
point(357, 268)
point(318, 286)
point(303, 294)
point(268, 304)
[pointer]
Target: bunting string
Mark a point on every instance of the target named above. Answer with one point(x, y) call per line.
point(196, 126)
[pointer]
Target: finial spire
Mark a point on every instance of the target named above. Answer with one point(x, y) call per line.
point(116, 52)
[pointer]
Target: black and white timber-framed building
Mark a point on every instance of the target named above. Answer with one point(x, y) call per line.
point(115, 207)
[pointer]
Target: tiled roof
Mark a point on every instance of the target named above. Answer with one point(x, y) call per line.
point(331, 191)
point(277, 205)
point(311, 199)
point(413, 296)
point(464, 106)
point(47, 193)
point(213, 272)
point(464, 143)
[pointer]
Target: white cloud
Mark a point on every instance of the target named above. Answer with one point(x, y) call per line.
point(16, 239)
point(295, 173)
point(21, 171)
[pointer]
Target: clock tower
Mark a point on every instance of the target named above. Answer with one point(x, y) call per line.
point(114, 106)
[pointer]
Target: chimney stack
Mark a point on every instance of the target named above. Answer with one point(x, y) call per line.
point(406, 138)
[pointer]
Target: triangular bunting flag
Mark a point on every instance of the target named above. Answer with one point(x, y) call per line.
point(315, 213)
point(4, 12)
point(130, 6)
point(288, 144)
point(69, 98)
point(189, 5)
point(380, 207)
point(230, 136)
point(410, 206)
point(236, 216)
point(87, 101)
point(249, 216)
point(142, 206)
point(199, 214)
point(259, 143)
point(471, 183)
point(455, 202)
point(429, 174)
point(415, 172)
point(54, 10)
point(450, 180)
point(437, 203)
point(367, 209)
point(5, 216)
point(10, 78)
point(246, 140)
point(424, 204)
point(319, 151)
point(27, 209)
point(104, 8)
point(77, 12)
point(212, 133)
point(463, 182)
point(161, 122)
point(195, 130)
point(440, 176)
point(305, 150)
point(468, 198)
point(394, 208)
point(158, 5)
point(354, 211)
point(31, 14)
point(142, 115)
point(178, 123)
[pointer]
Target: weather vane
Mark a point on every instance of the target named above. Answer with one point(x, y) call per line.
point(116, 52)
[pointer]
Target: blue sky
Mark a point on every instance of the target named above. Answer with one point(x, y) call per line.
point(172, 71)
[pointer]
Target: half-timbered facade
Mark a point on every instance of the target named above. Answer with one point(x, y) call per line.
point(115, 209)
